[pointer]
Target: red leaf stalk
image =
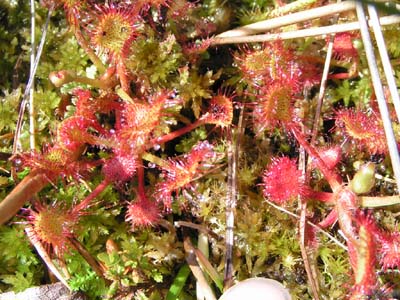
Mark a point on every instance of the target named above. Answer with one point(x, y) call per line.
point(363, 258)
point(346, 206)
point(177, 133)
point(96, 192)
point(333, 179)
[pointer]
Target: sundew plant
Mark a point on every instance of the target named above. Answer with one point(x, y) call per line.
point(169, 149)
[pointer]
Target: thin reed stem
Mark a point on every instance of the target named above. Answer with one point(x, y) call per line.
point(302, 33)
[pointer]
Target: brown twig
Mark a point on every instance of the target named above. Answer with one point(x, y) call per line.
point(94, 264)
point(309, 262)
point(198, 227)
point(29, 186)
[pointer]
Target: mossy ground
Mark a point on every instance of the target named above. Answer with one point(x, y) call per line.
point(142, 263)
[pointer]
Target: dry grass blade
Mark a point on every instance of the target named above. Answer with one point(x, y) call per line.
point(32, 140)
point(371, 202)
point(309, 267)
point(387, 67)
point(322, 88)
point(208, 268)
point(30, 82)
point(46, 258)
point(298, 17)
point(234, 139)
point(302, 33)
point(309, 262)
point(196, 269)
point(230, 216)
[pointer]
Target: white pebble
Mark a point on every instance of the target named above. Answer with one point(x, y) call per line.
point(257, 289)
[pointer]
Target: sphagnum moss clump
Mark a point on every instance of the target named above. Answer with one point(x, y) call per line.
point(149, 135)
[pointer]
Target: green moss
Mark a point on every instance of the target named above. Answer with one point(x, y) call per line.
point(20, 267)
point(154, 62)
point(9, 110)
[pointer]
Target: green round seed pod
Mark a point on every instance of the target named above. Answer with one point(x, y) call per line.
point(364, 180)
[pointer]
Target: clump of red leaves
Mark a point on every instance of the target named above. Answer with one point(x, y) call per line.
point(139, 120)
point(120, 168)
point(259, 66)
point(142, 212)
point(180, 172)
point(220, 111)
point(343, 47)
point(364, 129)
point(389, 249)
point(277, 77)
point(146, 5)
point(55, 161)
point(114, 30)
point(274, 107)
point(283, 181)
point(53, 226)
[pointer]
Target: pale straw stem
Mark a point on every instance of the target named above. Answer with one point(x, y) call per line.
point(298, 17)
point(32, 142)
point(387, 67)
point(378, 88)
point(302, 33)
point(30, 82)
